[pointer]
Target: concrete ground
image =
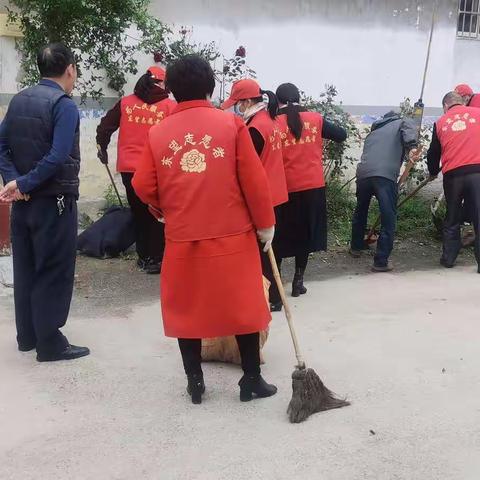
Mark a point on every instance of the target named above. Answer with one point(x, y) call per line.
point(403, 347)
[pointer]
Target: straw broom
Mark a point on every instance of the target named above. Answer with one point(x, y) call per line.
point(310, 395)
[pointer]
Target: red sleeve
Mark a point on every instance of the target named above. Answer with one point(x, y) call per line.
point(144, 180)
point(253, 180)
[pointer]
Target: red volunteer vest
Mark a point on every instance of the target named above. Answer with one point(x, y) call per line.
point(459, 134)
point(475, 101)
point(195, 155)
point(271, 156)
point(303, 159)
point(137, 117)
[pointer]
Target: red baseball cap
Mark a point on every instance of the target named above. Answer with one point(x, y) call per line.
point(464, 90)
point(157, 72)
point(242, 90)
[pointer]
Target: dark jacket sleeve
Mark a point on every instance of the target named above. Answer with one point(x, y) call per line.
point(257, 140)
point(7, 168)
point(409, 133)
point(434, 154)
point(109, 124)
point(333, 132)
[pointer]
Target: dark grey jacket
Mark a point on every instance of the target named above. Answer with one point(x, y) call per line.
point(30, 133)
point(385, 147)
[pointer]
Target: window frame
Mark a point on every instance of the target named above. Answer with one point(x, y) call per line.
point(474, 14)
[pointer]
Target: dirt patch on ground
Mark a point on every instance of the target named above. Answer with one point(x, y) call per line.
point(115, 285)
point(111, 286)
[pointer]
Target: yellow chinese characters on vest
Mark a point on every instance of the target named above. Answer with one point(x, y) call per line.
point(309, 135)
point(458, 123)
point(193, 152)
point(276, 139)
point(144, 114)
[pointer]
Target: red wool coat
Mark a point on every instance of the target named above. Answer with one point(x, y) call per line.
point(459, 134)
point(136, 119)
point(200, 169)
point(303, 159)
point(271, 156)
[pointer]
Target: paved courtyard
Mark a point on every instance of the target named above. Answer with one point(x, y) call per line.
point(403, 347)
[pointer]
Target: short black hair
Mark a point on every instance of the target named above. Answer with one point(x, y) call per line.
point(190, 78)
point(54, 59)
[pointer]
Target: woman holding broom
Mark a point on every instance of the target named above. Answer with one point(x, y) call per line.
point(302, 221)
point(260, 116)
point(201, 171)
point(133, 116)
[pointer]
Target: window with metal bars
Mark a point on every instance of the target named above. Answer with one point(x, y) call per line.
point(468, 19)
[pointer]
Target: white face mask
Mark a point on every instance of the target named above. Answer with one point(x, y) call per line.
point(236, 110)
point(253, 109)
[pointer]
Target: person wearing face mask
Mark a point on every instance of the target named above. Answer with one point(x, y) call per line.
point(40, 163)
point(260, 116)
point(303, 219)
point(134, 115)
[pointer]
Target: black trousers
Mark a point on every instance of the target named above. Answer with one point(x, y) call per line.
point(458, 188)
point(386, 192)
point(301, 262)
point(44, 253)
point(249, 346)
point(150, 237)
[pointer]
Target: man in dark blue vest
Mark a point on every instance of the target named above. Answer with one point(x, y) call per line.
point(40, 163)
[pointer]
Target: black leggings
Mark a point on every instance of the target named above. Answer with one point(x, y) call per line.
point(249, 346)
point(301, 262)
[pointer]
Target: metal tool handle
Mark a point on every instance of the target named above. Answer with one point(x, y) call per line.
point(288, 314)
point(415, 191)
point(114, 185)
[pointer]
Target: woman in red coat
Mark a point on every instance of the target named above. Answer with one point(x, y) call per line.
point(302, 221)
point(201, 171)
point(133, 116)
point(260, 116)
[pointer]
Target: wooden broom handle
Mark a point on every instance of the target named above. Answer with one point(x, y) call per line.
point(288, 314)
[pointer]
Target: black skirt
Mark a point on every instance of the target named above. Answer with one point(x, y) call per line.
point(301, 224)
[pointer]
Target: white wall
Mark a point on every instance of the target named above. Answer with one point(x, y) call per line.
point(9, 63)
point(372, 51)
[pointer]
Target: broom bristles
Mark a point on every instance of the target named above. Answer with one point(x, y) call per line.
point(310, 396)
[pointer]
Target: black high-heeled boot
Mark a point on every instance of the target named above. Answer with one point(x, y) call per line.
point(255, 384)
point(276, 307)
point(196, 387)
point(297, 285)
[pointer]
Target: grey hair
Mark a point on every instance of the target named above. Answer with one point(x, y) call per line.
point(451, 99)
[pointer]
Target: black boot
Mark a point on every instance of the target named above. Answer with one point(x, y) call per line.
point(196, 387)
point(297, 285)
point(153, 267)
point(276, 307)
point(255, 384)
